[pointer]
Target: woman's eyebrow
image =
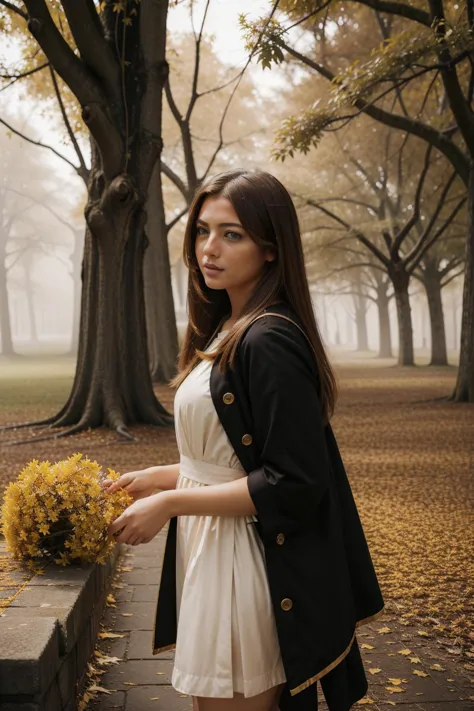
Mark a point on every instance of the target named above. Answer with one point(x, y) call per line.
point(221, 224)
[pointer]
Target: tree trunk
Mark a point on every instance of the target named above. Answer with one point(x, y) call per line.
point(400, 280)
point(361, 324)
point(30, 302)
point(432, 284)
point(160, 311)
point(76, 276)
point(5, 320)
point(117, 75)
point(385, 336)
point(464, 389)
point(181, 276)
point(112, 385)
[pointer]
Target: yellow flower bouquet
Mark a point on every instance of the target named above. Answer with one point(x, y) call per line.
point(60, 511)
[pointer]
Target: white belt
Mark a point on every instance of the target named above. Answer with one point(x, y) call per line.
point(206, 473)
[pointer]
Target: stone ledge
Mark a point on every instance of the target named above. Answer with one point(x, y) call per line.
point(47, 636)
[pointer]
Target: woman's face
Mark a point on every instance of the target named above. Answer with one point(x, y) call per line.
point(222, 241)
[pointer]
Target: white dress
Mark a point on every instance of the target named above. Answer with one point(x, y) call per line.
point(226, 639)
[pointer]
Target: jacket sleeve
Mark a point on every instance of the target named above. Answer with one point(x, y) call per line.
point(289, 433)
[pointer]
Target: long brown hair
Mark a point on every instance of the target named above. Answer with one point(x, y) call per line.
point(267, 214)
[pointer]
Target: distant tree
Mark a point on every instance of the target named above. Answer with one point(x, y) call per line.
point(396, 212)
point(428, 52)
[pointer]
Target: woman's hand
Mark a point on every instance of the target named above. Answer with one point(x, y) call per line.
point(141, 521)
point(138, 484)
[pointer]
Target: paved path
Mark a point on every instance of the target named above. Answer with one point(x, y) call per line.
point(431, 678)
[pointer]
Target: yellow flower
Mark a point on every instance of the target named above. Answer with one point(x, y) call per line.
point(67, 494)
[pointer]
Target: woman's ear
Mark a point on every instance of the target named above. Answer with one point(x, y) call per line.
point(270, 255)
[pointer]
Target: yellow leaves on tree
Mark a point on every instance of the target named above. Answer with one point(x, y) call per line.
point(60, 510)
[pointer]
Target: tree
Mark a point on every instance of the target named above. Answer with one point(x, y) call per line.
point(116, 70)
point(394, 211)
point(199, 138)
point(433, 47)
point(20, 234)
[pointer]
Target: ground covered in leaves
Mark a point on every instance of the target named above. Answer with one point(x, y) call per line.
point(408, 454)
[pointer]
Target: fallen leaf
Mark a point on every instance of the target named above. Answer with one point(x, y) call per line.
point(109, 635)
point(98, 689)
point(127, 614)
point(394, 689)
point(384, 630)
point(366, 701)
point(418, 672)
point(437, 667)
point(366, 646)
point(405, 651)
point(130, 683)
point(374, 670)
point(415, 660)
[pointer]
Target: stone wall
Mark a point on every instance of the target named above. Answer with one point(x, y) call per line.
point(47, 636)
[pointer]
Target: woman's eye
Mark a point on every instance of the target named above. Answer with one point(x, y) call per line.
point(233, 235)
point(201, 230)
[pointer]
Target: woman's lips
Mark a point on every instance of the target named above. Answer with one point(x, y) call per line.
point(211, 269)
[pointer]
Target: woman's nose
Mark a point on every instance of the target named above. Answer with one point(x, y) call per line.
point(210, 245)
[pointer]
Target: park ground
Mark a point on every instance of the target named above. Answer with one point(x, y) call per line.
point(409, 455)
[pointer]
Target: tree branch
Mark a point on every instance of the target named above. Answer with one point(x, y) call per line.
point(61, 56)
point(458, 104)
point(16, 77)
point(416, 210)
point(92, 46)
point(176, 219)
point(197, 61)
point(436, 235)
point(359, 235)
point(223, 117)
point(175, 179)
point(83, 171)
point(14, 8)
point(417, 128)
point(398, 8)
point(452, 277)
point(43, 145)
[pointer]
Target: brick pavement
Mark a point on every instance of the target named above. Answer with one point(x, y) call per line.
point(429, 677)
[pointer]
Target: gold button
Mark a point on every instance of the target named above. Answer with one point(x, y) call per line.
point(228, 398)
point(247, 439)
point(286, 604)
point(280, 539)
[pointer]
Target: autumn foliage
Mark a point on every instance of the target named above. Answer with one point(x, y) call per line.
point(60, 511)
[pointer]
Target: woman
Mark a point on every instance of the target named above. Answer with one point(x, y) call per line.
point(266, 572)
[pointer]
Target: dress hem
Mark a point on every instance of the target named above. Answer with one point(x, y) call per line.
point(193, 685)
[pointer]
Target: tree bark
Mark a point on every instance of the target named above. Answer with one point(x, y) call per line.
point(160, 310)
point(112, 384)
point(432, 284)
point(400, 280)
point(464, 389)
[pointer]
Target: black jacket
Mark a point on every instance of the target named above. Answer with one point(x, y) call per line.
point(321, 577)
